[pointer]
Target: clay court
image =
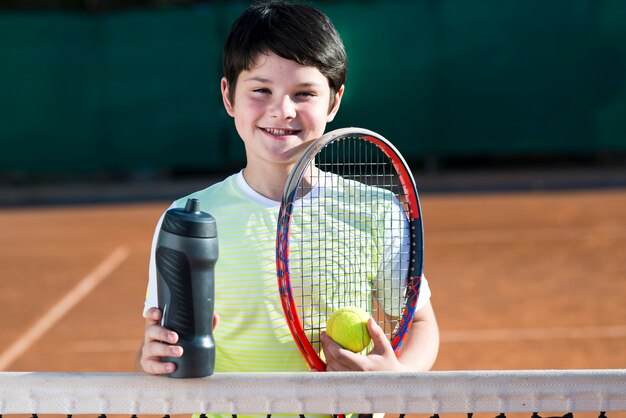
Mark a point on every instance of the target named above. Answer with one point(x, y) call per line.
point(523, 280)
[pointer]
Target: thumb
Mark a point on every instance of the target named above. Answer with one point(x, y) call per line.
point(381, 343)
point(153, 316)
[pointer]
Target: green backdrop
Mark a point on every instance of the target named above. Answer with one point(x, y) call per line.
point(139, 90)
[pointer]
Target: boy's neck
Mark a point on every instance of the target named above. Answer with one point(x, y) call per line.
point(269, 183)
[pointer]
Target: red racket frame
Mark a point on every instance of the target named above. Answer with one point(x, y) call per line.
point(282, 240)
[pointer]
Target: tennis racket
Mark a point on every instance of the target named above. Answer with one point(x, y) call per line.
point(349, 234)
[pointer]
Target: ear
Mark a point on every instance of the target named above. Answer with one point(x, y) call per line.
point(226, 98)
point(335, 106)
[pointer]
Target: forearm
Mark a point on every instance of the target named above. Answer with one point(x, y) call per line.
point(422, 342)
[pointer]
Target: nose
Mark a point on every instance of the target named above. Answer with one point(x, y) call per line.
point(283, 108)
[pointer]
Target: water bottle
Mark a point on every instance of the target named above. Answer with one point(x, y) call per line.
point(186, 253)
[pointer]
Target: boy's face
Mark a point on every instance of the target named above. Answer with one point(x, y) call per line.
point(278, 105)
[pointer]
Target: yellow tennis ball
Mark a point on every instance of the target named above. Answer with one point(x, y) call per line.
point(348, 328)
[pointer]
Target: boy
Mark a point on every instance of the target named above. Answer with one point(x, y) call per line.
point(284, 74)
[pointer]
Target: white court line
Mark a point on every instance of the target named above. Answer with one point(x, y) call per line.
point(71, 299)
point(520, 334)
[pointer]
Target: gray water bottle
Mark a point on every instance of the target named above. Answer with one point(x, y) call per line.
point(186, 253)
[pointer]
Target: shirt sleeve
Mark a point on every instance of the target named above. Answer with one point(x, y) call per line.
point(151, 292)
point(425, 294)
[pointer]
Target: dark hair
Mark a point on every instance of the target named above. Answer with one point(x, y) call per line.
point(292, 31)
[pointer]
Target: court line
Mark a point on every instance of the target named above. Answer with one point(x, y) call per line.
point(63, 306)
point(520, 334)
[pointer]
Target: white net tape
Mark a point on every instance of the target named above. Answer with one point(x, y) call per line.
point(308, 393)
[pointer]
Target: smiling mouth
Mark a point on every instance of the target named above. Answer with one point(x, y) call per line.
point(280, 132)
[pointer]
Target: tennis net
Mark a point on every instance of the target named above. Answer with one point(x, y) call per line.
point(537, 393)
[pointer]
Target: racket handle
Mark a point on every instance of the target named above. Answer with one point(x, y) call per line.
point(186, 254)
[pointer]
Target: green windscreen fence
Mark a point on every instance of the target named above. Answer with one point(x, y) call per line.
point(139, 89)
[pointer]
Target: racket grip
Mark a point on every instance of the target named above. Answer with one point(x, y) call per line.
point(186, 290)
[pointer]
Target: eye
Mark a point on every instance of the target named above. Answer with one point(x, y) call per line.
point(305, 95)
point(262, 90)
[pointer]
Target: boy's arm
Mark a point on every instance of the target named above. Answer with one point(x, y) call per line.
point(418, 354)
point(422, 343)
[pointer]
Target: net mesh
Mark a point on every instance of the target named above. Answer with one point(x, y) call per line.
point(501, 394)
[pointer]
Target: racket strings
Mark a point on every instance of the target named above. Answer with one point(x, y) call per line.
point(347, 218)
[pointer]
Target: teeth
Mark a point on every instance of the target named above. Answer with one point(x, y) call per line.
point(280, 131)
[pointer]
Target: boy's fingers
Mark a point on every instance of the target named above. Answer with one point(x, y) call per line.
point(328, 345)
point(337, 358)
point(157, 367)
point(381, 343)
point(157, 350)
point(158, 333)
point(158, 343)
point(154, 331)
point(328, 348)
point(152, 355)
point(153, 315)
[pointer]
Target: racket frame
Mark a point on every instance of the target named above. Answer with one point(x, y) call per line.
point(283, 230)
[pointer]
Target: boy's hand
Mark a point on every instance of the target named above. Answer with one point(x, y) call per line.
point(157, 344)
point(381, 358)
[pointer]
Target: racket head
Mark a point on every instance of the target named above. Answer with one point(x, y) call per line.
point(347, 187)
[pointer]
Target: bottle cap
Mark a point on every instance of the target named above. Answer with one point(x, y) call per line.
point(190, 221)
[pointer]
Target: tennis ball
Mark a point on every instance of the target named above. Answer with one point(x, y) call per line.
point(348, 328)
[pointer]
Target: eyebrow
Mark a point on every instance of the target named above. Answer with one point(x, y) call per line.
point(266, 80)
point(259, 79)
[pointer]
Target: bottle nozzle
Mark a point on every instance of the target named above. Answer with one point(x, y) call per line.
point(192, 205)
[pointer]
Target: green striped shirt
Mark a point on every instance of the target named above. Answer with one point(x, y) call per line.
point(253, 335)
